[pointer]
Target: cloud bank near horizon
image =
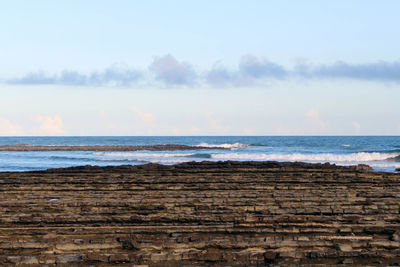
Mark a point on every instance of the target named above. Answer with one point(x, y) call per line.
point(167, 72)
point(112, 76)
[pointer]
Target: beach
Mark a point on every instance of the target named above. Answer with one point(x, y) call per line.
point(200, 213)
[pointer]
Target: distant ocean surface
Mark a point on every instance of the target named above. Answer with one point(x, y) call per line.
point(380, 152)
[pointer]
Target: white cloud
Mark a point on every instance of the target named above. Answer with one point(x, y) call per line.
point(146, 117)
point(50, 125)
point(248, 131)
point(356, 126)
point(103, 119)
point(257, 67)
point(313, 114)
point(176, 131)
point(172, 72)
point(251, 71)
point(7, 128)
point(313, 120)
point(214, 124)
point(113, 76)
point(282, 131)
point(195, 130)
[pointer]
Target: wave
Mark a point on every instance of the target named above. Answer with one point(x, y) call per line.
point(262, 145)
point(67, 158)
point(133, 156)
point(201, 155)
point(320, 157)
point(143, 155)
point(387, 151)
point(384, 167)
point(228, 146)
point(130, 161)
point(142, 161)
point(323, 157)
point(164, 161)
point(395, 158)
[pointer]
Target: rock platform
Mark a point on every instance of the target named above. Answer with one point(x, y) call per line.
point(201, 214)
point(167, 147)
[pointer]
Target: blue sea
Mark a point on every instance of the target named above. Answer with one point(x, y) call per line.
point(380, 152)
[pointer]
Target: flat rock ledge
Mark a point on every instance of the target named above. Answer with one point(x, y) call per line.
point(168, 147)
point(201, 214)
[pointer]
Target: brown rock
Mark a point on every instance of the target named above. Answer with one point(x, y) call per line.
point(212, 255)
point(219, 213)
point(119, 258)
point(47, 259)
point(96, 256)
point(396, 236)
point(363, 167)
point(270, 255)
point(72, 258)
point(50, 236)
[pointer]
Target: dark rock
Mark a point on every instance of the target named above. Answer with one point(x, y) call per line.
point(363, 167)
point(270, 255)
point(102, 148)
point(96, 256)
point(119, 258)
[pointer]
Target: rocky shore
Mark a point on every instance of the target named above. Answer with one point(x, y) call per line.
point(169, 147)
point(201, 214)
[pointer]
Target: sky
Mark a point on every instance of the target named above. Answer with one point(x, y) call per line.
point(199, 67)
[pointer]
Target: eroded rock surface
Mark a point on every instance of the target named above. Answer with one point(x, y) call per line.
point(209, 213)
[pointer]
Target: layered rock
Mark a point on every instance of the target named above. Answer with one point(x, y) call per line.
point(208, 213)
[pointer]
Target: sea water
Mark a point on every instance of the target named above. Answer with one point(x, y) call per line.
point(380, 152)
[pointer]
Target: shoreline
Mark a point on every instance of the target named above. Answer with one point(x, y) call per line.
point(200, 213)
point(355, 167)
point(358, 167)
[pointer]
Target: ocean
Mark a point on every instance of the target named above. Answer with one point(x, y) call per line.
point(380, 152)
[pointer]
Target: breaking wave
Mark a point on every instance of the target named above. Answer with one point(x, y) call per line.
point(396, 158)
point(228, 146)
point(326, 157)
point(359, 157)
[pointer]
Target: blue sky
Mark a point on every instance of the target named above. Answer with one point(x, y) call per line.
point(199, 68)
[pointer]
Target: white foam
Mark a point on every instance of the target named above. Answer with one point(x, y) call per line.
point(323, 157)
point(166, 161)
point(384, 165)
point(229, 146)
point(374, 159)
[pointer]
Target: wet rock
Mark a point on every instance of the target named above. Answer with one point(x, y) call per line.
point(363, 167)
point(103, 148)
